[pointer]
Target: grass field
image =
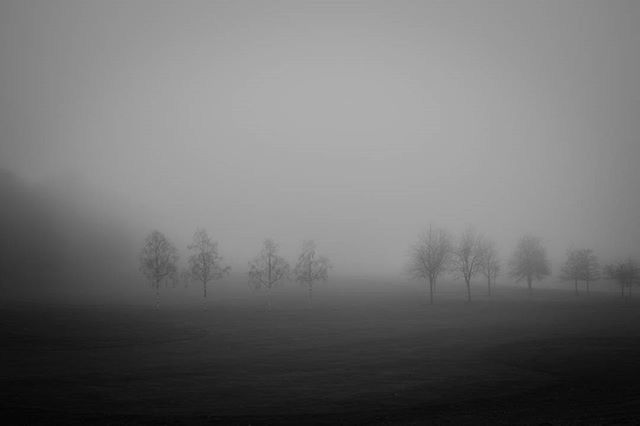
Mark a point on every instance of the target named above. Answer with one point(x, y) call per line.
point(358, 357)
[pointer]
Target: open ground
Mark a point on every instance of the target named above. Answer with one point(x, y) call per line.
point(378, 356)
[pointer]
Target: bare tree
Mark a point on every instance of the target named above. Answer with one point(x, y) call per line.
point(467, 257)
point(581, 265)
point(592, 270)
point(529, 261)
point(430, 256)
point(158, 260)
point(310, 267)
point(626, 274)
point(572, 269)
point(268, 269)
point(185, 277)
point(205, 263)
point(490, 265)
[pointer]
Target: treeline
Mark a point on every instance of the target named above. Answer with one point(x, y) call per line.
point(55, 237)
point(159, 262)
point(435, 253)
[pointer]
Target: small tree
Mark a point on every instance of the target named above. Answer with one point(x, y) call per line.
point(572, 270)
point(626, 274)
point(268, 269)
point(529, 261)
point(185, 277)
point(581, 265)
point(591, 267)
point(467, 257)
point(158, 260)
point(490, 265)
point(430, 256)
point(205, 263)
point(310, 267)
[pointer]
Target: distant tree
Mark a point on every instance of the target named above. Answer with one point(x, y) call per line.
point(268, 269)
point(572, 269)
point(430, 256)
point(158, 261)
point(529, 261)
point(467, 257)
point(581, 265)
point(310, 267)
point(592, 270)
point(205, 263)
point(185, 277)
point(626, 274)
point(490, 265)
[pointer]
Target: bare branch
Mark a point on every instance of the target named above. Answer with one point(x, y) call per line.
point(430, 256)
point(158, 260)
point(268, 268)
point(205, 263)
point(311, 267)
point(467, 257)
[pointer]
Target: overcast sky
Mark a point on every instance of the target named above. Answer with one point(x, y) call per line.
point(353, 123)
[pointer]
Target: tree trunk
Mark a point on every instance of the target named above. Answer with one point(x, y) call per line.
point(488, 286)
point(575, 283)
point(204, 299)
point(529, 280)
point(158, 296)
point(622, 290)
point(468, 290)
point(431, 291)
point(268, 299)
point(310, 283)
point(587, 286)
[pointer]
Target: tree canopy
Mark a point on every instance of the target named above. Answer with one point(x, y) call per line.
point(529, 261)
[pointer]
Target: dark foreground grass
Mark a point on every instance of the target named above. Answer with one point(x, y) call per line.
point(355, 358)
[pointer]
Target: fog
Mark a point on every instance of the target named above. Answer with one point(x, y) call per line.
point(354, 124)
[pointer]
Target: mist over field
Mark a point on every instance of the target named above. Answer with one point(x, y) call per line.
point(185, 153)
point(354, 124)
